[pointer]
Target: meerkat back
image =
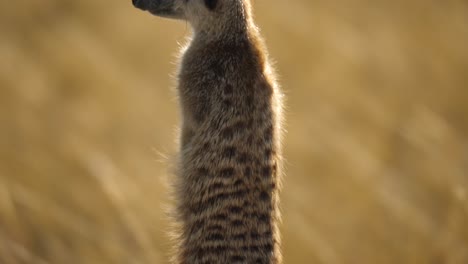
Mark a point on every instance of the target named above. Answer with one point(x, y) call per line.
point(230, 154)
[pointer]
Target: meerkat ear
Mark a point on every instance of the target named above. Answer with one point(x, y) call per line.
point(211, 4)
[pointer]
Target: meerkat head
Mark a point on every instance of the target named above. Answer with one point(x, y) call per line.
point(203, 15)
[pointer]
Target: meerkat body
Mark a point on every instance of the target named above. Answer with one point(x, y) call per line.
point(229, 165)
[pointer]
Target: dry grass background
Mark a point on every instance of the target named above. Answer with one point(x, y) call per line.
point(377, 143)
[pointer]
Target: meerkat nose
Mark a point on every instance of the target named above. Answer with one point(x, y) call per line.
point(139, 4)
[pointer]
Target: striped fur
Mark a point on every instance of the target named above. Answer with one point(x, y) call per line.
point(230, 157)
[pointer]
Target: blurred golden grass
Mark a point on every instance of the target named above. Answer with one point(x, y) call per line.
point(376, 149)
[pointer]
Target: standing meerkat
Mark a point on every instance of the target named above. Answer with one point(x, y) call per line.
point(229, 164)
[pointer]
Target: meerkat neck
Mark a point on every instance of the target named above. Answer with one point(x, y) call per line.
point(235, 24)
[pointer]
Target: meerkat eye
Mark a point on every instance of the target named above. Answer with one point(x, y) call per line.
point(211, 4)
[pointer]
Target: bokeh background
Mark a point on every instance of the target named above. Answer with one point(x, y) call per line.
point(376, 148)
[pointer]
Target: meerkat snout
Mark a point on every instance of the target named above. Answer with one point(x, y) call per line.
point(178, 9)
point(163, 8)
point(141, 4)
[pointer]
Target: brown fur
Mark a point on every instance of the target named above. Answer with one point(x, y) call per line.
point(230, 158)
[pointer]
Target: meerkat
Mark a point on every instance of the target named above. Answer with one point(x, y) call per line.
point(230, 155)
